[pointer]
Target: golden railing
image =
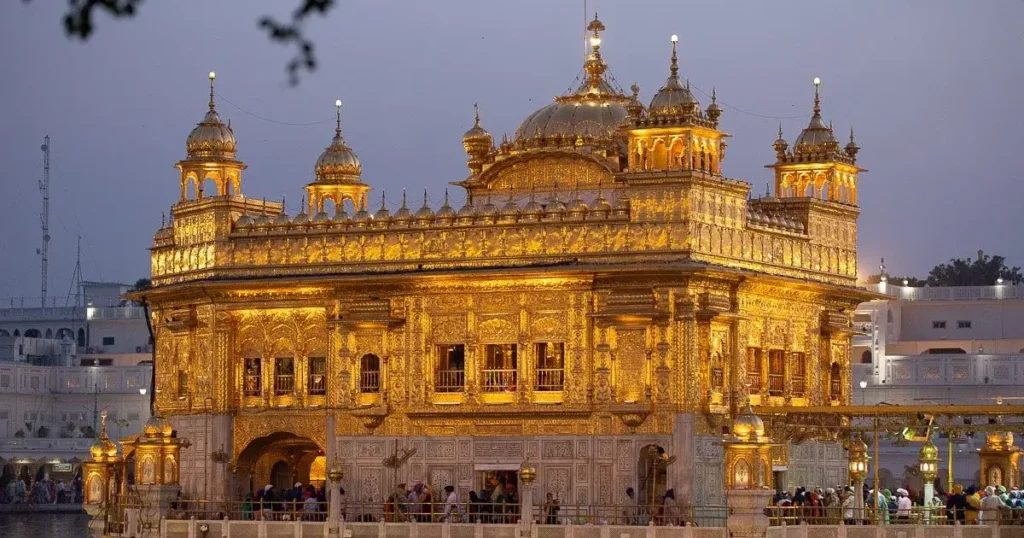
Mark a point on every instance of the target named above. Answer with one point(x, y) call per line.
point(549, 379)
point(450, 381)
point(499, 379)
point(369, 381)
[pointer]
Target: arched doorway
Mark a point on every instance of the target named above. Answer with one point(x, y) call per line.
point(280, 460)
point(652, 473)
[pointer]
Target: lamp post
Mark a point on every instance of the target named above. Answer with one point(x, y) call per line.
point(334, 475)
point(527, 473)
point(928, 465)
point(858, 471)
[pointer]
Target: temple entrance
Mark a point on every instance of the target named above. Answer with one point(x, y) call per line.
point(279, 460)
point(652, 473)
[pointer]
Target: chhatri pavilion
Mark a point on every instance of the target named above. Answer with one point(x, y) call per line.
point(603, 304)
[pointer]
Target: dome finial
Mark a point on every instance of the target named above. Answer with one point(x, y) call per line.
point(212, 76)
point(403, 199)
point(817, 98)
point(780, 130)
point(476, 115)
point(446, 196)
point(337, 120)
point(302, 205)
point(425, 198)
point(714, 95)
point(674, 67)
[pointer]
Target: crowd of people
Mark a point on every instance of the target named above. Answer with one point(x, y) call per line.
point(42, 490)
point(830, 506)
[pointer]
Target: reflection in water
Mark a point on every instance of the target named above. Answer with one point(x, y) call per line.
point(39, 525)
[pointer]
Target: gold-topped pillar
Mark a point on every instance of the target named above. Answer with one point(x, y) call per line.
point(1000, 460)
point(748, 475)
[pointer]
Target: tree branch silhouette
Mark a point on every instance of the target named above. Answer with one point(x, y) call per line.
point(78, 23)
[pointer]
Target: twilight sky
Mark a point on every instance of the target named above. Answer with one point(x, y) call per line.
point(933, 89)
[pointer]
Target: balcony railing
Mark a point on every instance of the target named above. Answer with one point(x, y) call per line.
point(450, 381)
point(799, 386)
point(499, 380)
point(951, 293)
point(776, 384)
point(369, 381)
point(253, 385)
point(284, 384)
point(754, 381)
point(317, 384)
point(549, 379)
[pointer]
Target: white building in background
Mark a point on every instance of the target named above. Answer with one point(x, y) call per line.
point(944, 345)
point(60, 367)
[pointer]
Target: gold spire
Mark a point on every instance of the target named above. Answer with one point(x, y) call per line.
point(817, 98)
point(337, 121)
point(674, 68)
point(476, 115)
point(595, 66)
point(212, 76)
point(103, 414)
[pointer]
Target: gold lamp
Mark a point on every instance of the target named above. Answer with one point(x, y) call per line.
point(858, 459)
point(527, 473)
point(336, 474)
point(928, 462)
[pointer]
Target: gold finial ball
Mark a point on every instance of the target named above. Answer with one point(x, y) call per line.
point(595, 41)
point(929, 452)
point(675, 38)
point(527, 473)
point(212, 75)
point(336, 473)
point(817, 81)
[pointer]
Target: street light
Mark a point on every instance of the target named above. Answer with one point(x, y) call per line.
point(143, 391)
point(863, 394)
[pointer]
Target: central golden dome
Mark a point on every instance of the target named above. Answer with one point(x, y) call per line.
point(593, 112)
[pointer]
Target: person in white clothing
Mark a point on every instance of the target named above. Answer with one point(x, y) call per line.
point(903, 505)
point(848, 503)
point(989, 514)
point(452, 511)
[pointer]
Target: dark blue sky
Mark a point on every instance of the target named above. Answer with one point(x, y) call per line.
point(933, 89)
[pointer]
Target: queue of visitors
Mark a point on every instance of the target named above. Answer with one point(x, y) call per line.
point(42, 490)
point(829, 506)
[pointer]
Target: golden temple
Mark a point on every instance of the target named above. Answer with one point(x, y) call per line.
point(604, 290)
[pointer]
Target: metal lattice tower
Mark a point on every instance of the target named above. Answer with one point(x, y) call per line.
point(76, 278)
point(44, 217)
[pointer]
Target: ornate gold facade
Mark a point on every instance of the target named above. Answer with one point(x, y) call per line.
point(602, 279)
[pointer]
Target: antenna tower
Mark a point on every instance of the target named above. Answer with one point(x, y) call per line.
point(44, 217)
point(76, 277)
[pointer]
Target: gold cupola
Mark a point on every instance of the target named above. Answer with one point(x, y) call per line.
point(211, 138)
point(103, 449)
point(816, 166)
point(210, 154)
point(590, 114)
point(674, 99)
point(477, 143)
point(338, 173)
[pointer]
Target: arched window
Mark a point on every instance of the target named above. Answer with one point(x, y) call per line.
point(49, 333)
point(369, 373)
point(33, 333)
point(81, 337)
point(776, 372)
point(835, 382)
point(4, 333)
point(865, 358)
point(17, 332)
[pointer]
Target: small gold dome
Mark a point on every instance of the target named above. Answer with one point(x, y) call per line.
point(338, 163)
point(477, 137)
point(103, 448)
point(156, 426)
point(999, 440)
point(210, 138)
point(674, 99)
point(747, 425)
point(929, 451)
point(816, 137)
